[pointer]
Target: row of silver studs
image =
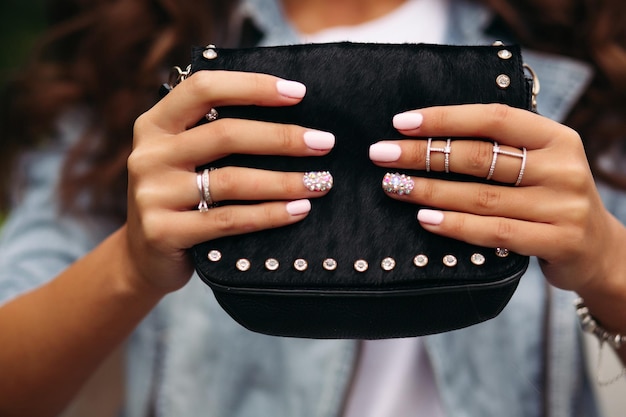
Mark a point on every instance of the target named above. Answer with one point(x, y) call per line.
point(360, 265)
point(503, 80)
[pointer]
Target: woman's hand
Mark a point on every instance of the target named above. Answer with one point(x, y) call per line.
point(163, 219)
point(555, 213)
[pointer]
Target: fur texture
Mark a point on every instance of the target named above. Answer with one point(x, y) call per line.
point(353, 91)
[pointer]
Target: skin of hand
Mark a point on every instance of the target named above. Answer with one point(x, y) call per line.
point(47, 353)
point(555, 214)
point(168, 147)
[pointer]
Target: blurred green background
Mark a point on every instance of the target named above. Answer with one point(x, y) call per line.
point(21, 22)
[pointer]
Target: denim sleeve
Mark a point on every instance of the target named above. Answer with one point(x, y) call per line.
point(36, 241)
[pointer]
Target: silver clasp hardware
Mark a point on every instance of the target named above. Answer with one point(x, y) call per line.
point(177, 75)
point(536, 85)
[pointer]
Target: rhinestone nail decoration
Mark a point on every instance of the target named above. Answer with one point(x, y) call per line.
point(329, 264)
point(272, 264)
point(318, 181)
point(214, 255)
point(243, 264)
point(449, 260)
point(477, 259)
point(398, 184)
point(503, 81)
point(502, 252)
point(300, 264)
point(361, 265)
point(420, 260)
point(388, 264)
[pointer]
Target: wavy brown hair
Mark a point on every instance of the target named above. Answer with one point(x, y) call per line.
point(110, 55)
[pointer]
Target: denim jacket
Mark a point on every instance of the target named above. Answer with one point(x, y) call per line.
point(188, 358)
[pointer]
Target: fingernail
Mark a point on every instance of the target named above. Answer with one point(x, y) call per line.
point(398, 184)
point(291, 89)
point(298, 207)
point(317, 140)
point(318, 181)
point(407, 121)
point(427, 216)
point(385, 152)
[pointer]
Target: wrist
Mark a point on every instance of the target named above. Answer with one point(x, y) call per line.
point(605, 294)
point(129, 279)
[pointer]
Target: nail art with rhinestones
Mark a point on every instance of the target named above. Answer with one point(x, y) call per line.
point(318, 181)
point(398, 184)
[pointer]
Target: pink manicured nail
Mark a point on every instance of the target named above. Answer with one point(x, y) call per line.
point(407, 121)
point(298, 207)
point(320, 141)
point(385, 152)
point(433, 217)
point(291, 89)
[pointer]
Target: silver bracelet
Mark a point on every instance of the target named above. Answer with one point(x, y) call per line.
point(591, 326)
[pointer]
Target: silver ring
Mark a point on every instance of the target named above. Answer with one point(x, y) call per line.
point(203, 205)
point(430, 141)
point(446, 154)
point(497, 151)
point(494, 158)
point(522, 168)
point(203, 182)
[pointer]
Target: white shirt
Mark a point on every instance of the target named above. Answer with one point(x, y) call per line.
point(394, 377)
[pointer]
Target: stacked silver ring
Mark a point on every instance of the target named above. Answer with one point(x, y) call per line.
point(446, 154)
point(498, 151)
point(203, 183)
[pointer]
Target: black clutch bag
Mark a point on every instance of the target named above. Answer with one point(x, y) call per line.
point(360, 266)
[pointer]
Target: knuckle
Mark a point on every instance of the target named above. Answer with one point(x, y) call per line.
point(503, 232)
point(154, 230)
point(575, 176)
point(201, 82)
point(289, 185)
point(220, 130)
point(457, 227)
point(140, 125)
point(416, 154)
point(225, 220)
point(223, 179)
point(438, 121)
point(428, 191)
point(479, 155)
point(497, 113)
point(284, 136)
point(487, 197)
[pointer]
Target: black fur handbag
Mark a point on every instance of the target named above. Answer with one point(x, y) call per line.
point(360, 266)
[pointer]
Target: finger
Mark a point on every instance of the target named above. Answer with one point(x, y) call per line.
point(186, 104)
point(194, 227)
point(490, 200)
point(211, 141)
point(508, 125)
point(481, 159)
point(526, 238)
point(233, 184)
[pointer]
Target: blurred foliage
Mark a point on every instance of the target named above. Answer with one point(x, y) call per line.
point(21, 22)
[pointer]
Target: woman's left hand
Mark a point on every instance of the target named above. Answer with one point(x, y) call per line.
point(555, 212)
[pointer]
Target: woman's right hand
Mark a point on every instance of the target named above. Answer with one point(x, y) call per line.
point(163, 220)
